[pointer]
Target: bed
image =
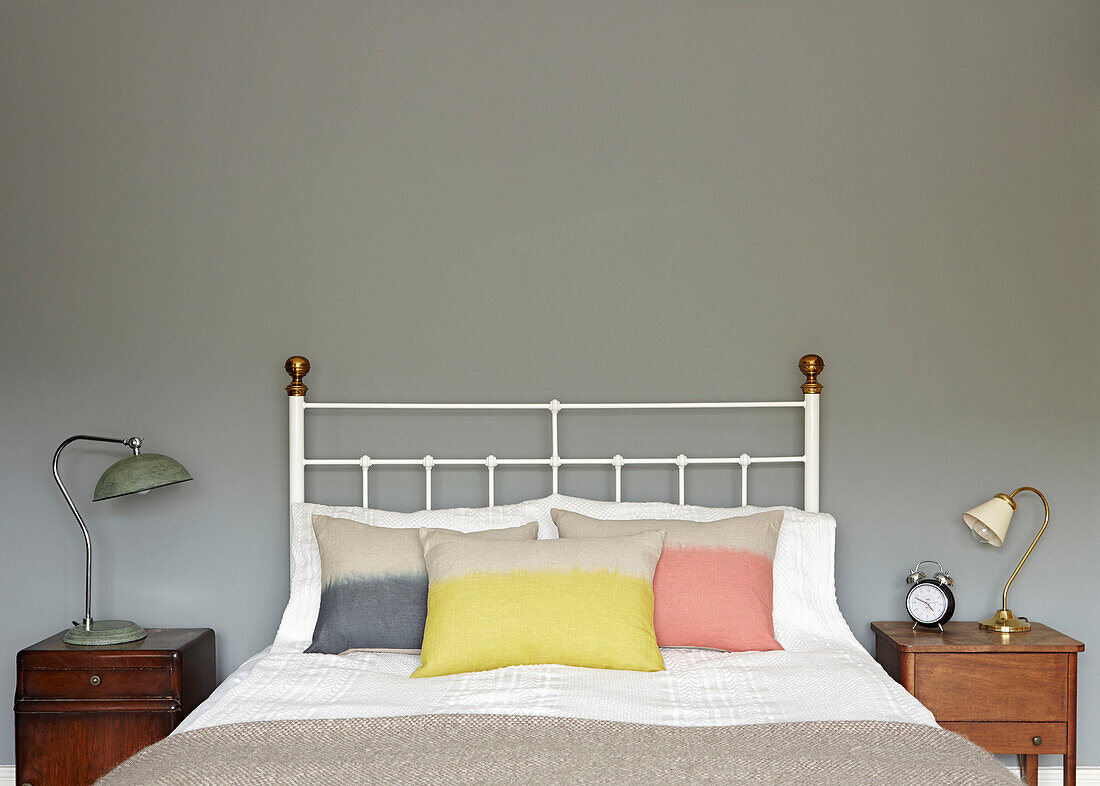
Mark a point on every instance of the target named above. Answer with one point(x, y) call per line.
point(819, 710)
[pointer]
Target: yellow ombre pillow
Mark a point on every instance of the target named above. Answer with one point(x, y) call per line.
point(585, 602)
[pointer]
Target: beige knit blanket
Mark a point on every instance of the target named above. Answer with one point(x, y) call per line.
point(506, 749)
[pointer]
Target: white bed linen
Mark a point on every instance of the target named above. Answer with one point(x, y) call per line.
point(822, 674)
point(834, 681)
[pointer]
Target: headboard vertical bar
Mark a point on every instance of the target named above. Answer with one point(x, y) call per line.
point(297, 367)
point(811, 500)
point(364, 462)
point(745, 461)
point(429, 462)
point(555, 407)
point(491, 463)
point(811, 366)
point(297, 449)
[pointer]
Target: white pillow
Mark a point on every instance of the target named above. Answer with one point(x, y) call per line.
point(300, 616)
point(804, 607)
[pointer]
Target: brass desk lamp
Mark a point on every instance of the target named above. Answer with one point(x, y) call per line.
point(134, 474)
point(989, 523)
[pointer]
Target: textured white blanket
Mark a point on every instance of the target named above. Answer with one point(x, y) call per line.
point(699, 688)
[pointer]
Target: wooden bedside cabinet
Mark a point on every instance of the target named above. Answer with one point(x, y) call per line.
point(1007, 693)
point(79, 711)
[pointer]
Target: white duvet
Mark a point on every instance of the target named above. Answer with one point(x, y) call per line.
point(698, 688)
point(822, 674)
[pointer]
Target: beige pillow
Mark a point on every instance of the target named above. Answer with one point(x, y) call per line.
point(374, 586)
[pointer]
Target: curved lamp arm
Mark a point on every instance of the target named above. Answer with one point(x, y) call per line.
point(134, 444)
point(1046, 520)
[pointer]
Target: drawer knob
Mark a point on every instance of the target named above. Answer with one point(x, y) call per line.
point(1036, 740)
point(95, 680)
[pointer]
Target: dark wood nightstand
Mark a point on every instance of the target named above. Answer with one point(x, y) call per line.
point(79, 711)
point(1008, 694)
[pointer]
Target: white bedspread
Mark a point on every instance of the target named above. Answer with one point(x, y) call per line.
point(837, 681)
point(823, 673)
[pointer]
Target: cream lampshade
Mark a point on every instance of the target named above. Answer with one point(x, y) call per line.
point(988, 523)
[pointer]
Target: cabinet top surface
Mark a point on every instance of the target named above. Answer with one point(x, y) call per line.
point(968, 637)
point(158, 640)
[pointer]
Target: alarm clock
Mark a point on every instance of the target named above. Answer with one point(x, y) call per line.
point(929, 602)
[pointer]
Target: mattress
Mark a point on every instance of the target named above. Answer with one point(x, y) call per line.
point(834, 681)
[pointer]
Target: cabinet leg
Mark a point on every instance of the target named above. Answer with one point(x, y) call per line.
point(1069, 769)
point(1029, 768)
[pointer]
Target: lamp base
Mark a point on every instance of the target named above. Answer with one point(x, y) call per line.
point(104, 632)
point(1004, 621)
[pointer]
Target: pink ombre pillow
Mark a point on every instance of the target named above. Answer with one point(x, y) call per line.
point(713, 584)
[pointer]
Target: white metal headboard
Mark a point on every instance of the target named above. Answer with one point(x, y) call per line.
point(810, 365)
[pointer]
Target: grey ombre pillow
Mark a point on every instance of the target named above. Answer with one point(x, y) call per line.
point(374, 585)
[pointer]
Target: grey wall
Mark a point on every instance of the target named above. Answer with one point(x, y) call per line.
point(519, 200)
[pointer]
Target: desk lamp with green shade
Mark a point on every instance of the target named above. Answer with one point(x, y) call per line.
point(134, 474)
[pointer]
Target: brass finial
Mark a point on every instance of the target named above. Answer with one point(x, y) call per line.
point(297, 366)
point(810, 365)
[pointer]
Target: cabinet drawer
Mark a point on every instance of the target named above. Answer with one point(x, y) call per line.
point(1014, 737)
point(97, 683)
point(994, 687)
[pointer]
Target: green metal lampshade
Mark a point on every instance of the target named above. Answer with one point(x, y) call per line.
point(135, 474)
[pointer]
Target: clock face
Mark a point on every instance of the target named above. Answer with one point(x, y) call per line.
point(927, 603)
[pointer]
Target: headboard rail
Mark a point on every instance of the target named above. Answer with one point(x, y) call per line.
point(810, 365)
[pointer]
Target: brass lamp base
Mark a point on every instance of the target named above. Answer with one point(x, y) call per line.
point(104, 632)
point(1004, 621)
